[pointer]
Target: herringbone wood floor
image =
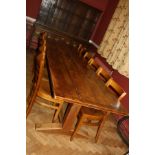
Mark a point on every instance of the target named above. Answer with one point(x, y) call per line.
point(41, 143)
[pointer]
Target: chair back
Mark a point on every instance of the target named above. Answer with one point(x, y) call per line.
point(87, 56)
point(40, 61)
point(93, 63)
point(42, 38)
point(81, 50)
point(103, 74)
point(39, 65)
point(116, 88)
point(79, 47)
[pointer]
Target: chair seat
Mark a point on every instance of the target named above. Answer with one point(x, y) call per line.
point(91, 113)
point(90, 117)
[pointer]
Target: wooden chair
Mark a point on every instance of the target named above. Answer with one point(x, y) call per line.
point(103, 74)
point(87, 116)
point(93, 64)
point(116, 88)
point(41, 88)
point(87, 56)
point(79, 47)
point(42, 38)
point(41, 41)
point(81, 50)
point(74, 44)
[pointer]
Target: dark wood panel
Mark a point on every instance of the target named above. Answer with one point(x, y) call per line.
point(53, 33)
point(70, 16)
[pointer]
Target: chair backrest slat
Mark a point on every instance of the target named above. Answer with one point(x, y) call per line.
point(40, 60)
point(81, 50)
point(120, 92)
point(93, 64)
point(103, 74)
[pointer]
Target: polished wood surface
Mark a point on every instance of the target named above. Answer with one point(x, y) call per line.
point(75, 82)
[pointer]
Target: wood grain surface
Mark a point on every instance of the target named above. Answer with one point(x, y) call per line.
point(74, 81)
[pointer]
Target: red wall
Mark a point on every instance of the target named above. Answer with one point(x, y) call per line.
point(104, 21)
point(32, 8)
point(98, 4)
point(107, 7)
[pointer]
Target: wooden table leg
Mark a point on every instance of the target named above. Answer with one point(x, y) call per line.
point(68, 121)
point(101, 126)
point(67, 127)
point(70, 116)
point(48, 126)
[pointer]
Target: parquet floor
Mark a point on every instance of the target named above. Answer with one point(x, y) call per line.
point(41, 143)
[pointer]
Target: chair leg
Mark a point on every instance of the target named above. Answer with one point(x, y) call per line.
point(77, 127)
point(56, 113)
point(100, 127)
point(60, 115)
point(53, 120)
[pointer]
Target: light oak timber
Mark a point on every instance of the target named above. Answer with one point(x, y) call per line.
point(57, 128)
point(103, 74)
point(93, 64)
point(48, 126)
point(69, 119)
point(120, 91)
point(86, 116)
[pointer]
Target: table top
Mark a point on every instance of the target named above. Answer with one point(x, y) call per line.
point(75, 82)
